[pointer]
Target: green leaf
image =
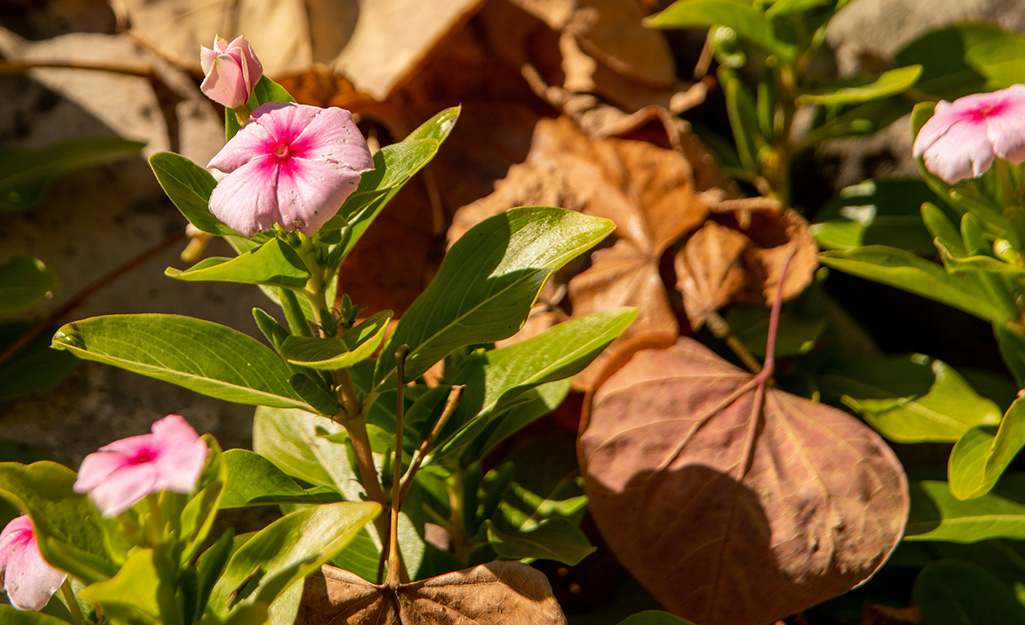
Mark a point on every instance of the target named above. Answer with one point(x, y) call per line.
point(295, 442)
point(783, 8)
point(740, 108)
point(748, 22)
point(68, 527)
point(253, 480)
point(1012, 350)
point(197, 518)
point(199, 355)
point(937, 515)
point(209, 567)
point(950, 592)
point(859, 89)
point(497, 268)
point(654, 617)
point(553, 539)
point(884, 212)
point(13, 616)
point(266, 90)
point(546, 483)
point(315, 391)
point(24, 281)
point(288, 550)
point(909, 399)
point(358, 343)
point(980, 457)
point(394, 165)
point(26, 173)
point(35, 368)
point(965, 58)
point(189, 186)
point(906, 271)
point(862, 119)
point(273, 264)
point(143, 591)
point(533, 405)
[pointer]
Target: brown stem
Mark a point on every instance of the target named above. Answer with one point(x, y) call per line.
point(721, 330)
point(421, 452)
point(394, 557)
point(41, 326)
point(128, 69)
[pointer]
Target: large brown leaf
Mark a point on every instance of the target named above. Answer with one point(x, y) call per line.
point(506, 593)
point(732, 502)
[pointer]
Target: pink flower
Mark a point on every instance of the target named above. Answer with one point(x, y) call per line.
point(231, 69)
point(27, 578)
point(962, 138)
point(290, 164)
point(125, 471)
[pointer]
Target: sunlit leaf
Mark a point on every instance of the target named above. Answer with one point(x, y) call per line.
point(937, 515)
point(983, 452)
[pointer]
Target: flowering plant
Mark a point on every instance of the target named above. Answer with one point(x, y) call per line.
point(298, 187)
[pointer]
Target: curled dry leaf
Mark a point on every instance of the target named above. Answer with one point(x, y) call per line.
point(497, 593)
point(732, 502)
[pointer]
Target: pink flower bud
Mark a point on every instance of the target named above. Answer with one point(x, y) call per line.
point(232, 71)
point(125, 471)
point(962, 138)
point(290, 164)
point(27, 578)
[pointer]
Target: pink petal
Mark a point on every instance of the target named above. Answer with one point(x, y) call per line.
point(15, 535)
point(285, 121)
point(310, 193)
point(333, 136)
point(247, 200)
point(1006, 131)
point(250, 142)
point(182, 454)
point(122, 488)
point(225, 82)
point(95, 468)
point(963, 152)
point(934, 128)
point(29, 580)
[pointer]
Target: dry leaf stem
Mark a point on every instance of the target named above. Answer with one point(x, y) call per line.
point(418, 456)
point(394, 557)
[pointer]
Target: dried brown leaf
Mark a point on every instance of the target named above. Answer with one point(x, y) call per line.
point(709, 270)
point(506, 593)
point(732, 502)
point(875, 614)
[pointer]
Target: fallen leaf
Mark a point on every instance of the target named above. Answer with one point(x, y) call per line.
point(875, 614)
point(506, 593)
point(709, 270)
point(733, 503)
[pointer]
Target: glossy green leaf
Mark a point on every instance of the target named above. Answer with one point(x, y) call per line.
point(748, 22)
point(313, 390)
point(860, 89)
point(288, 550)
point(266, 90)
point(553, 539)
point(883, 212)
point(980, 457)
point(273, 264)
point(143, 591)
point(13, 616)
point(950, 592)
point(201, 356)
point(541, 401)
point(495, 378)
point(253, 480)
point(24, 281)
point(911, 273)
point(1012, 349)
point(546, 483)
point(498, 268)
point(654, 617)
point(209, 567)
point(26, 173)
point(189, 186)
point(743, 116)
point(909, 399)
point(358, 343)
point(197, 518)
point(295, 442)
point(966, 58)
point(937, 515)
point(861, 119)
point(67, 526)
point(783, 8)
point(35, 368)
point(394, 165)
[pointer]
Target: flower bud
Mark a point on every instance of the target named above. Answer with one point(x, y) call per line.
point(232, 71)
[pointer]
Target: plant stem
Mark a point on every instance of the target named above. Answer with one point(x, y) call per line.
point(294, 313)
point(394, 557)
point(721, 330)
point(418, 456)
point(72, 601)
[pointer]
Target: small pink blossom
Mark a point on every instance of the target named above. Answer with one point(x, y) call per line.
point(962, 138)
point(27, 578)
point(125, 471)
point(231, 70)
point(290, 164)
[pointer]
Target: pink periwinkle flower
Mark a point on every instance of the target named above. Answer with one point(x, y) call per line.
point(123, 472)
point(962, 138)
point(231, 71)
point(27, 578)
point(290, 164)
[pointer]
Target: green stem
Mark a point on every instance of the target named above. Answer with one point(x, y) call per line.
point(294, 313)
point(72, 601)
point(394, 557)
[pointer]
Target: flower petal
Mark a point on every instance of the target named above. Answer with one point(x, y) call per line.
point(1006, 130)
point(182, 454)
point(246, 200)
point(29, 580)
point(310, 192)
point(122, 488)
point(934, 128)
point(95, 468)
point(332, 136)
point(963, 152)
point(250, 142)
